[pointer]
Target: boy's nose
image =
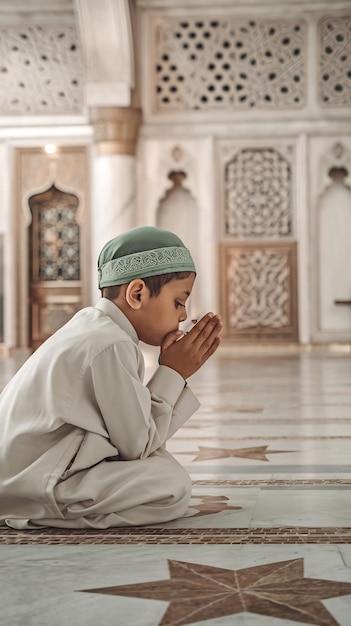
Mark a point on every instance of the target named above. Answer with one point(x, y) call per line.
point(184, 315)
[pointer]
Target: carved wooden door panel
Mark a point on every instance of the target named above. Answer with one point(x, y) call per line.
point(55, 277)
point(259, 291)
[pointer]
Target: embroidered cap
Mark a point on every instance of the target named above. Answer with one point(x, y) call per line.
point(141, 252)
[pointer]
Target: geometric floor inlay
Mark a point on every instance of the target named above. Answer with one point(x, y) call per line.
point(209, 505)
point(198, 592)
point(258, 453)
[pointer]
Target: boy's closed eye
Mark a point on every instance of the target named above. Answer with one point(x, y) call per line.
point(178, 304)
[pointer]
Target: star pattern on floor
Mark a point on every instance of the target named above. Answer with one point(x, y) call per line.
point(198, 592)
point(258, 453)
point(211, 505)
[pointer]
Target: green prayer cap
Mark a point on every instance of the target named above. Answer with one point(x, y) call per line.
point(141, 252)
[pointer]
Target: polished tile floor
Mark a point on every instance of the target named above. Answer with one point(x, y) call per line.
point(267, 540)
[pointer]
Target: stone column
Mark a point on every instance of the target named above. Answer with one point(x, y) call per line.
point(114, 177)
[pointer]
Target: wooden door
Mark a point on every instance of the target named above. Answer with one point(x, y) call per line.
point(55, 276)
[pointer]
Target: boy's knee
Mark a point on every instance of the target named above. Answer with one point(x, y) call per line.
point(181, 486)
point(188, 484)
point(187, 490)
point(175, 477)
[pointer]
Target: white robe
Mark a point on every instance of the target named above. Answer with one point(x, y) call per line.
point(82, 439)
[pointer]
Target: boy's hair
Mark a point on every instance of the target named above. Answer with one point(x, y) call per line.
point(153, 283)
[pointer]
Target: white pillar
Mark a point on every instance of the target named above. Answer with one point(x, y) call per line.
point(113, 178)
point(302, 228)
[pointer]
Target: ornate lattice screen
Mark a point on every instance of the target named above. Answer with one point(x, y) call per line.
point(258, 194)
point(335, 61)
point(55, 236)
point(55, 286)
point(229, 62)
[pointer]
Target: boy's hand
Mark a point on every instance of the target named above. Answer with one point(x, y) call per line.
point(187, 354)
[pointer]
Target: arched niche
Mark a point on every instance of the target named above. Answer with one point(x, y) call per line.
point(45, 180)
point(160, 200)
point(178, 212)
point(54, 262)
point(334, 253)
point(54, 236)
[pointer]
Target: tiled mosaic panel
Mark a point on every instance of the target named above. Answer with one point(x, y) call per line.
point(259, 290)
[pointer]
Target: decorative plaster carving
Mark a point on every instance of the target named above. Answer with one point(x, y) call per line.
point(258, 194)
point(259, 290)
point(338, 156)
point(40, 70)
point(177, 154)
point(174, 159)
point(335, 61)
point(206, 63)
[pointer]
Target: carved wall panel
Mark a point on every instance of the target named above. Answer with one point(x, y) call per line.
point(258, 194)
point(207, 63)
point(40, 70)
point(335, 61)
point(259, 291)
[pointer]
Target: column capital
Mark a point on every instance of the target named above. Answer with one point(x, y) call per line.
point(116, 129)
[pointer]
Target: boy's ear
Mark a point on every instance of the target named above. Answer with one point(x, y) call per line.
point(135, 293)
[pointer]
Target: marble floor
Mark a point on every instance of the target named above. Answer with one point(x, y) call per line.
point(267, 540)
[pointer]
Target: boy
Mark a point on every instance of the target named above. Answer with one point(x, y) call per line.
point(82, 440)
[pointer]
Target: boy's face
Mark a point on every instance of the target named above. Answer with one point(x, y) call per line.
point(162, 314)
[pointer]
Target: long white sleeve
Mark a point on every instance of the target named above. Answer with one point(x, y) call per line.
point(139, 419)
